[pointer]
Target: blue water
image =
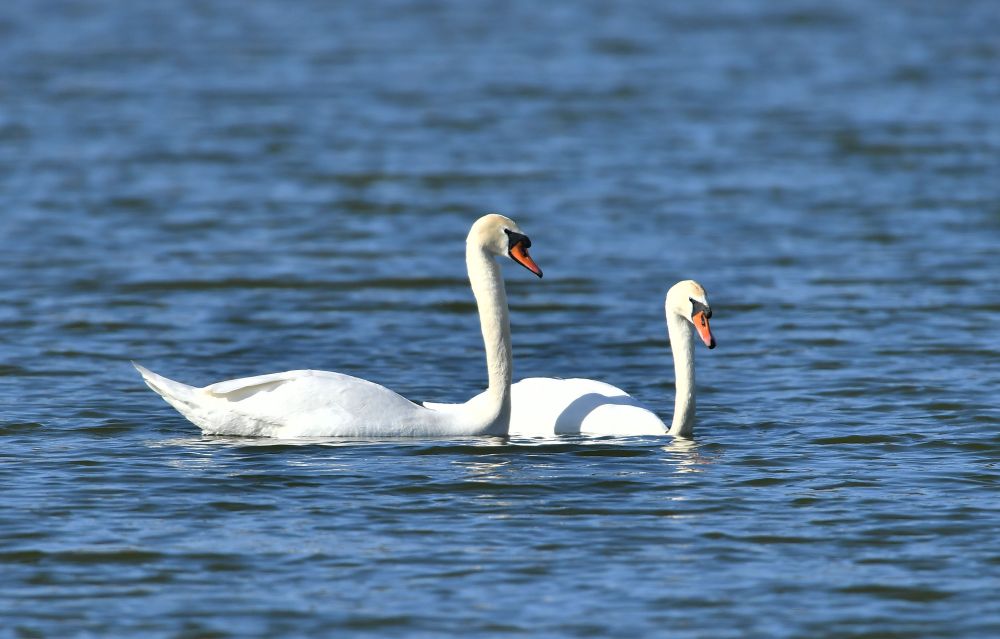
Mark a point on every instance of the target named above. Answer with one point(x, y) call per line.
point(219, 189)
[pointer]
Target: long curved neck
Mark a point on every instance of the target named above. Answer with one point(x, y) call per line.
point(682, 346)
point(491, 299)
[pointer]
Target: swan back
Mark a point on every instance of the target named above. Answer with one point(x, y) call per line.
point(544, 406)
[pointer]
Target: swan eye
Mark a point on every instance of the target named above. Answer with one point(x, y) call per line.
point(698, 307)
point(514, 238)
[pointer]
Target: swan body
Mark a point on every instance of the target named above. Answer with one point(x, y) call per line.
point(308, 403)
point(545, 406)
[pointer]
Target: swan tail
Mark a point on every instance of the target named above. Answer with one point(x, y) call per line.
point(166, 388)
point(180, 396)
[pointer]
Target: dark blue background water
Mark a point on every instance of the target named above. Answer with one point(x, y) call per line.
point(218, 189)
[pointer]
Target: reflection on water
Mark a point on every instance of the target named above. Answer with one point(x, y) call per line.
point(684, 455)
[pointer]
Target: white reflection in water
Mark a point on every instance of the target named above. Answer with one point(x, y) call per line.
point(684, 456)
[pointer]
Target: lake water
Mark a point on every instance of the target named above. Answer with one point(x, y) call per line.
point(218, 189)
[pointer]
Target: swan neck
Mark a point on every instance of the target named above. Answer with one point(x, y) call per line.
point(682, 345)
point(491, 300)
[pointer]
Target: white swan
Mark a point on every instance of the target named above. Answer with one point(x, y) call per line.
point(308, 403)
point(543, 406)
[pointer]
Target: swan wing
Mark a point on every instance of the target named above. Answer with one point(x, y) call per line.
point(308, 403)
point(301, 403)
point(234, 389)
point(443, 408)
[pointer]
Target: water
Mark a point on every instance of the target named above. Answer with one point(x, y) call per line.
point(218, 189)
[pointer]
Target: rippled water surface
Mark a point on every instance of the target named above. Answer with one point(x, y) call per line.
point(218, 189)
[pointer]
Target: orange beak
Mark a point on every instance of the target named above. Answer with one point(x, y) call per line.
point(519, 254)
point(704, 330)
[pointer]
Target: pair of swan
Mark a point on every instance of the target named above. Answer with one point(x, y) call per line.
point(306, 403)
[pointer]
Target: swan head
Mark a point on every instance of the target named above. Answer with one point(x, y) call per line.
point(688, 299)
point(499, 235)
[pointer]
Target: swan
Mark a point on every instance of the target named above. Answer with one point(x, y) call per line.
point(307, 403)
point(545, 406)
